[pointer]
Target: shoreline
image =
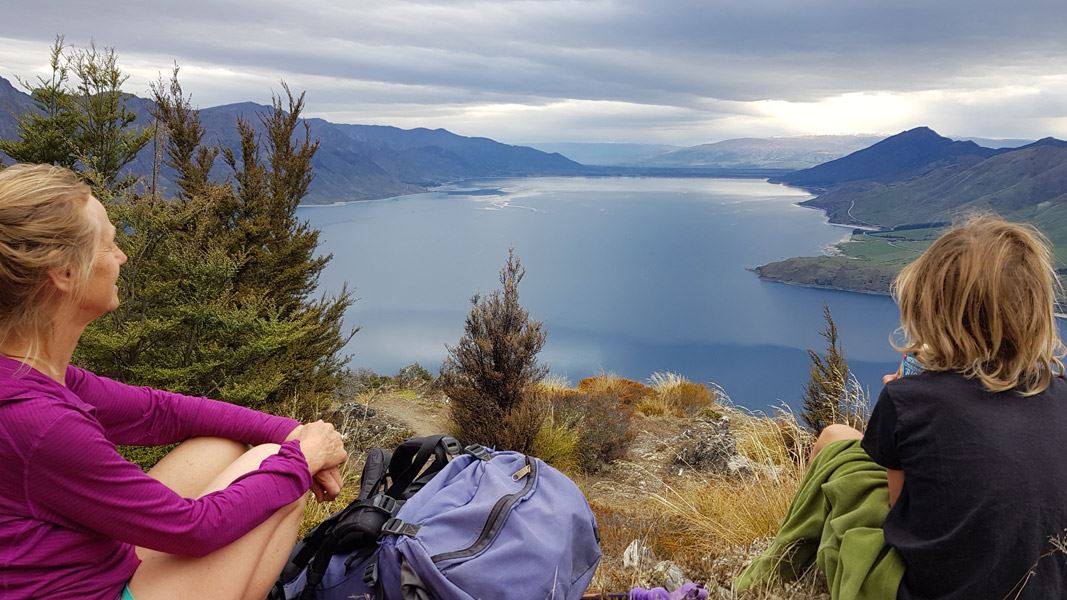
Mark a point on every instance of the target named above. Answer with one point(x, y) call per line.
point(816, 286)
point(738, 174)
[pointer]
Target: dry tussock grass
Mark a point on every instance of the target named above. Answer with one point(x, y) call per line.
point(553, 382)
point(627, 391)
point(674, 395)
point(713, 526)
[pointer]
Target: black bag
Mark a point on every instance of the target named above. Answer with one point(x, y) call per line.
point(389, 478)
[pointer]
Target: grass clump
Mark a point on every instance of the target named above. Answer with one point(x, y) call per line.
point(554, 383)
point(675, 396)
point(626, 391)
point(557, 444)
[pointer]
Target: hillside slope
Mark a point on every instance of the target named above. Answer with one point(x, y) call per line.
point(1025, 184)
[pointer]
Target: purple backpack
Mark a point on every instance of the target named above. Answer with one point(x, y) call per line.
point(488, 526)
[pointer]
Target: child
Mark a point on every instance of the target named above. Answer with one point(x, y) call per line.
point(974, 447)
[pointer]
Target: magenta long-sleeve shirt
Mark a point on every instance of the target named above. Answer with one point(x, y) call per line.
point(72, 509)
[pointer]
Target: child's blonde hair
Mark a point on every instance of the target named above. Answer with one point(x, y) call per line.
point(980, 301)
point(43, 226)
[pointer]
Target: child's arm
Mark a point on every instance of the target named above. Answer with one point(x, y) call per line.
point(896, 483)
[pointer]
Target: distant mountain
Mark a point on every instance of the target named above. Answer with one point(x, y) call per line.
point(1027, 183)
point(896, 158)
point(12, 102)
point(354, 162)
point(606, 153)
point(798, 152)
point(996, 142)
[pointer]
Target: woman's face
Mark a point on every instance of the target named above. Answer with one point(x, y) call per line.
point(101, 290)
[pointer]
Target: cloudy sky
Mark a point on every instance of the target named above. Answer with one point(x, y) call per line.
point(660, 71)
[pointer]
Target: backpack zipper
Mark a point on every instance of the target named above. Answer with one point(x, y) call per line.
point(495, 520)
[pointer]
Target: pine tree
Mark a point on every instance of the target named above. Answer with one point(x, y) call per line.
point(82, 124)
point(488, 375)
point(252, 333)
point(105, 140)
point(46, 136)
point(184, 134)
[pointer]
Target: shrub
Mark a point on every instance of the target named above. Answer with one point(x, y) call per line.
point(145, 457)
point(564, 405)
point(831, 394)
point(490, 373)
point(413, 376)
point(606, 431)
point(625, 391)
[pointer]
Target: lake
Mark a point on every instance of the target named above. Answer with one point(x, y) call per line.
point(629, 275)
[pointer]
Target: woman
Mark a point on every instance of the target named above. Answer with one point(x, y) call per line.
point(214, 519)
point(973, 448)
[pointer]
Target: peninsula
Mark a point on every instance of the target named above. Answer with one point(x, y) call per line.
point(903, 191)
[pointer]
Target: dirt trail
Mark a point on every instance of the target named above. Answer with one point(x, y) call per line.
point(424, 417)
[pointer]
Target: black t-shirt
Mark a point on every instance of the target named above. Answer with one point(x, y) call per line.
point(985, 487)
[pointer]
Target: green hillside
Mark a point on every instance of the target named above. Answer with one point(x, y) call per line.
point(1028, 184)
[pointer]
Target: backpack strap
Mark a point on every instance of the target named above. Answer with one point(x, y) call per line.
point(316, 569)
point(373, 479)
point(314, 551)
point(411, 457)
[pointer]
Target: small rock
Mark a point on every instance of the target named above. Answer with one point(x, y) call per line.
point(668, 574)
point(706, 445)
point(740, 466)
point(637, 556)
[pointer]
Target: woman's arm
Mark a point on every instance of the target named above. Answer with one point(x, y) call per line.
point(144, 416)
point(75, 477)
point(896, 483)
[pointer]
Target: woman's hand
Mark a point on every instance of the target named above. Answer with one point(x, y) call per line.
point(324, 451)
point(326, 484)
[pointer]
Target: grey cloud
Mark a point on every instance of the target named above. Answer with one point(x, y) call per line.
point(679, 53)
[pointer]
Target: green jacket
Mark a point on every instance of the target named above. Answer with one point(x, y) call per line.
point(836, 519)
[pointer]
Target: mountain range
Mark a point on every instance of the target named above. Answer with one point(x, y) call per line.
point(781, 153)
point(354, 162)
point(797, 152)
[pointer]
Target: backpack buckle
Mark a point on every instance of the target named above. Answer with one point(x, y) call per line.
point(395, 526)
point(452, 446)
point(478, 451)
point(370, 575)
point(387, 504)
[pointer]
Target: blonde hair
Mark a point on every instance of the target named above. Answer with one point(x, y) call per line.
point(43, 226)
point(980, 301)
